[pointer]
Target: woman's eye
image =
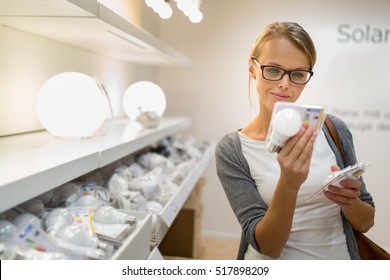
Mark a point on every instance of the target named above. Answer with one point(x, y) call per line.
point(274, 71)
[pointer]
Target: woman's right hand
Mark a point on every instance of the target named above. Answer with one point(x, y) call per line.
point(294, 159)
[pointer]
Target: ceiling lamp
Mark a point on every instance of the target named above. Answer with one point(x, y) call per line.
point(190, 8)
point(161, 7)
point(71, 104)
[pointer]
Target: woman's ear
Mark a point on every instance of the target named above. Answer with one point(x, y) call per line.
point(252, 72)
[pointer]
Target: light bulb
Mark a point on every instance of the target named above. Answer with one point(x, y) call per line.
point(143, 96)
point(27, 218)
point(87, 200)
point(58, 218)
point(71, 104)
point(76, 234)
point(132, 200)
point(34, 206)
point(109, 215)
point(285, 124)
point(7, 227)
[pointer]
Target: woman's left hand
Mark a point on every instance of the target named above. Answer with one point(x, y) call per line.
point(347, 194)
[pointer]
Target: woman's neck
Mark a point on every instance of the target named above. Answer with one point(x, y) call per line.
point(257, 129)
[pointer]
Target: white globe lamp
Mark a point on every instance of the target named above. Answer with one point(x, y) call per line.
point(71, 104)
point(143, 96)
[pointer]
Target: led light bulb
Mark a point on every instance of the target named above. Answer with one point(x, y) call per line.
point(76, 234)
point(285, 124)
point(87, 200)
point(34, 206)
point(7, 227)
point(27, 218)
point(109, 215)
point(58, 218)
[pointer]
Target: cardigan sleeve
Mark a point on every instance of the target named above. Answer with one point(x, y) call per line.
point(240, 188)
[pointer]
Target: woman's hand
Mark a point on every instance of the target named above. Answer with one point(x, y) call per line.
point(347, 194)
point(294, 159)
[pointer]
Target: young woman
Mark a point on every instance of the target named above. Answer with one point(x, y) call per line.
point(268, 191)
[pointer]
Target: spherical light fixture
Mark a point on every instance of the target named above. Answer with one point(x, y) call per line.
point(71, 104)
point(143, 96)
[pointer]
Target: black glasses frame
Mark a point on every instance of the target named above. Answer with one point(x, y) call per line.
point(284, 73)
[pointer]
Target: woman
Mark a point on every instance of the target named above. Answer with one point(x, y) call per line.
point(267, 191)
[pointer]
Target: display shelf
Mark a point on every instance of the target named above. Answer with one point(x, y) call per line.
point(34, 163)
point(172, 208)
point(125, 137)
point(89, 25)
point(137, 245)
point(155, 254)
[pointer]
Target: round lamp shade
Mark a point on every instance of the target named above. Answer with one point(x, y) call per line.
point(143, 96)
point(71, 104)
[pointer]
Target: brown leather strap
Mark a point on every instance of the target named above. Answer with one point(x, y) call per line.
point(333, 133)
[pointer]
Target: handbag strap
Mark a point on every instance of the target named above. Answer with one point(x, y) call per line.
point(333, 134)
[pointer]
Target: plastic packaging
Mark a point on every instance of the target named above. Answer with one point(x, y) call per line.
point(27, 218)
point(132, 200)
point(147, 184)
point(352, 172)
point(57, 219)
point(110, 215)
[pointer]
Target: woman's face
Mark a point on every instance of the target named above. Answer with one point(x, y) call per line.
point(282, 53)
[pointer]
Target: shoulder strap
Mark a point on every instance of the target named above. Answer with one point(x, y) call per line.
point(333, 133)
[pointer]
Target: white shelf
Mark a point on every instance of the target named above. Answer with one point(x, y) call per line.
point(89, 25)
point(34, 163)
point(172, 208)
point(137, 245)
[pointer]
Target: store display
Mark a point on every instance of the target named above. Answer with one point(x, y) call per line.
point(84, 219)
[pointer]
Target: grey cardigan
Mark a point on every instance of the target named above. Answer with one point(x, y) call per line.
point(247, 204)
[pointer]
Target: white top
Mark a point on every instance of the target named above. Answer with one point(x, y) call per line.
point(317, 229)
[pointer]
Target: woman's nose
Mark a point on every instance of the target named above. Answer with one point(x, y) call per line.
point(284, 82)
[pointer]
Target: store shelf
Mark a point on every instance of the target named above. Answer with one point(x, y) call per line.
point(172, 208)
point(125, 137)
point(89, 25)
point(137, 245)
point(34, 163)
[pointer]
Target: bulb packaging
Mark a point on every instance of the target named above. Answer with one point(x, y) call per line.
point(7, 228)
point(110, 215)
point(57, 219)
point(287, 119)
point(76, 234)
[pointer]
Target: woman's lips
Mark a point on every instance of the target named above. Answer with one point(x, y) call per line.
point(280, 97)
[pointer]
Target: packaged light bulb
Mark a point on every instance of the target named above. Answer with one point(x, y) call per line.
point(57, 219)
point(285, 124)
point(27, 218)
point(7, 228)
point(287, 118)
point(110, 215)
point(76, 234)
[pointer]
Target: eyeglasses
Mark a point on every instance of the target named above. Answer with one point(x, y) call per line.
point(274, 73)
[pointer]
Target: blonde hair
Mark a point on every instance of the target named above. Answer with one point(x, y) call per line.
point(293, 32)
